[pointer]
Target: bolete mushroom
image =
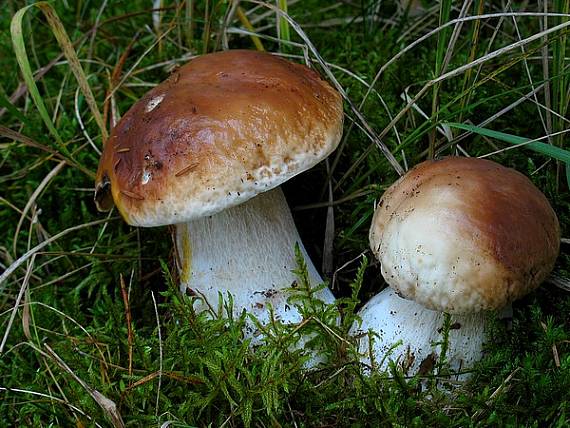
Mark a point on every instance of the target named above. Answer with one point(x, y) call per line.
point(460, 236)
point(206, 151)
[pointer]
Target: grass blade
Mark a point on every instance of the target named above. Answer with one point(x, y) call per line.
point(545, 149)
point(283, 27)
point(5, 102)
point(248, 26)
point(69, 52)
point(23, 62)
point(440, 65)
point(10, 269)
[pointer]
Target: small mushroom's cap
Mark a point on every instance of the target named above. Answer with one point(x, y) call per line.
point(462, 235)
point(222, 129)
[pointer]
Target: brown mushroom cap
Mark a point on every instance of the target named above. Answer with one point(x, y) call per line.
point(223, 128)
point(463, 234)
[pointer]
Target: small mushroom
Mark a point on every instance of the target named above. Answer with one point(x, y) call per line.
point(460, 236)
point(206, 151)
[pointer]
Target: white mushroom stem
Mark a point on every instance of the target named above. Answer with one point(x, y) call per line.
point(419, 330)
point(249, 252)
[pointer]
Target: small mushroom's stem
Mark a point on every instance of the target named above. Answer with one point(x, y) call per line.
point(248, 251)
point(419, 329)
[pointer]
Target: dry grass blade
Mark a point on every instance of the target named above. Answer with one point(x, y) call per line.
point(356, 194)
point(91, 340)
point(500, 52)
point(555, 353)
point(69, 52)
point(249, 27)
point(80, 122)
point(137, 62)
point(129, 322)
point(545, 69)
point(160, 352)
point(10, 270)
point(26, 315)
point(444, 51)
point(328, 260)
point(32, 200)
point(500, 388)
point(547, 129)
point(226, 21)
point(22, 88)
point(192, 380)
point(24, 139)
point(108, 406)
point(468, 66)
point(17, 304)
point(51, 398)
point(115, 76)
point(560, 282)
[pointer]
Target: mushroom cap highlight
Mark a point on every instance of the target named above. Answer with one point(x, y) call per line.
point(461, 235)
point(220, 130)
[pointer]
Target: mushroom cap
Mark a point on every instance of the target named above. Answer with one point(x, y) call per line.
point(221, 129)
point(462, 235)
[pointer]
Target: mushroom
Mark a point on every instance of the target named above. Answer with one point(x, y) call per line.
point(206, 151)
point(459, 236)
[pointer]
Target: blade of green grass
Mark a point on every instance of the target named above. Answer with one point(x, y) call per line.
point(545, 149)
point(284, 32)
point(189, 22)
point(23, 62)
point(5, 102)
point(247, 24)
point(560, 81)
point(67, 47)
point(442, 46)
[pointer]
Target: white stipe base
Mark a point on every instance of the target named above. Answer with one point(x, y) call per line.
point(395, 319)
point(247, 251)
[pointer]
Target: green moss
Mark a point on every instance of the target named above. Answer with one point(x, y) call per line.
point(209, 373)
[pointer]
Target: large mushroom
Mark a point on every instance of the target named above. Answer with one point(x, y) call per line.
point(206, 151)
point(459, 236)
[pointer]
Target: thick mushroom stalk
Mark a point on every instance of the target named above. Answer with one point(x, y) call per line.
point(412, 336)
point(200, 150)
point(247, 251)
